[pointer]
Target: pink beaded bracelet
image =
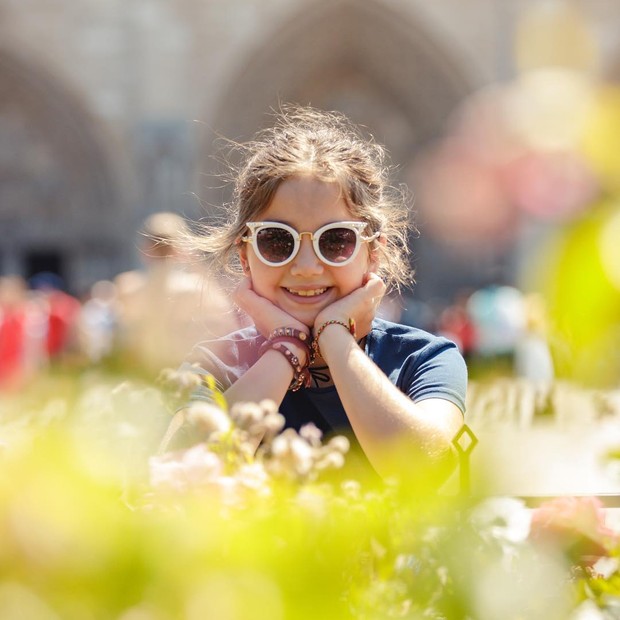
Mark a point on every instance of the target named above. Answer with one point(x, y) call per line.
point(301, 375)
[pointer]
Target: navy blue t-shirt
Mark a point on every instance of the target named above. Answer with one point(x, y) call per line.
point(419, 364)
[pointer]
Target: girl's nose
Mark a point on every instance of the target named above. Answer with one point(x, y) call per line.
point(306, 262)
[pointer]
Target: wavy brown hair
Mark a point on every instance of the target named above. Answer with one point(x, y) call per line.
point(326, 145)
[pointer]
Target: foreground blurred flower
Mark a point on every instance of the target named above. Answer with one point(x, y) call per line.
point(237, 451)
point(186, 469)
point(208, 419)
point(258, 420)
point(575, 526)
point(505, 519)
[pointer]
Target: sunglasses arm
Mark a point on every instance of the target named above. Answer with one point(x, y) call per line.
point(372, 237)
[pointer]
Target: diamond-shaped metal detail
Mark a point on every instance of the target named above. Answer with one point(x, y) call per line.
point(469, 439)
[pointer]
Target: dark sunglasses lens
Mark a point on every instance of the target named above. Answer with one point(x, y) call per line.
point(275, 244)
point(338, 244)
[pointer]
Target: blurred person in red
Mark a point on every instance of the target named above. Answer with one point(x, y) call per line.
point(62, 310)
point(171, 304)
point(12, 330)
point(456, 324)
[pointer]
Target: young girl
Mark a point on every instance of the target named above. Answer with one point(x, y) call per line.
point(319, 234)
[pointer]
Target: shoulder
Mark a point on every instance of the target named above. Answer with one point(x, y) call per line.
point(228, 357)
point(385, 334)
point(421, 364)
point(233, 345)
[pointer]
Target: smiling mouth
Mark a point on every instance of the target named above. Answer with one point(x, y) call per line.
point(306, 292)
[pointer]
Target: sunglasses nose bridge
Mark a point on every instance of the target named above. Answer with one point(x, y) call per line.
point(311, 238)
point(306, 261)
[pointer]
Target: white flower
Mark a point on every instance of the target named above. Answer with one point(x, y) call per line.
point(253, 476)
point(588, 610)
point(505, 519)
point(291, 455)
point(247, 415)
point(208, 418)
point(311, 434)
point(606, 566)
point(339, 443)
point(184, 470)
point(272, 425)
point(330, 460)
point(268, 406)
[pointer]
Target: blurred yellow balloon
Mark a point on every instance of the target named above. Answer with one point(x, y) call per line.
point(610, 249)
point(601, 138)
point(574, 275)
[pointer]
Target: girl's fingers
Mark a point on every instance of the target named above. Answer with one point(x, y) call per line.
point(360, 305)
point(244, 285)
point(265, 315)
point(375, 283)
point(244, 294)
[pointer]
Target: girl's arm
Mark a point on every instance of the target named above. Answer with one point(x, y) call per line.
point(272, 374)
point(268, 378)
point(396, 434)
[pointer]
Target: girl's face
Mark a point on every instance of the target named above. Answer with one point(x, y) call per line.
point(306, 285)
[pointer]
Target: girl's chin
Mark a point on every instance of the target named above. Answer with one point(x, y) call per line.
point(307, 318)
point(305, 312)
point(303, 315)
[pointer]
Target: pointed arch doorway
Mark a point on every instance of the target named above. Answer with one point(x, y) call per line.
point(60, 199)
point(380, 68)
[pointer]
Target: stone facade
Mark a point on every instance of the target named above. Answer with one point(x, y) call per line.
point(113, 109)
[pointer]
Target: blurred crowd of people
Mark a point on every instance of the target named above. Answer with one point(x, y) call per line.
point(145, 319)
point(37, 321)
point(497, 328)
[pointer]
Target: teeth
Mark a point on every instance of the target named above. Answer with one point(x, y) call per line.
point(307, 293)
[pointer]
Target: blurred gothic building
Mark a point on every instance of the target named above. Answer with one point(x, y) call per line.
point(112, 110)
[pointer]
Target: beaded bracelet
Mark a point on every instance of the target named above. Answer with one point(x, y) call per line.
point(350, 327)
point(306, 346)
point(267, 345)
point(301, 376)
point(289, 332)
point(293, 336)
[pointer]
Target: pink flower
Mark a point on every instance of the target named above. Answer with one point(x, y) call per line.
point(575, 526)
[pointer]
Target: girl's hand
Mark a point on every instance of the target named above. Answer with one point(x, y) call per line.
point(266, 315)
point(360, 305)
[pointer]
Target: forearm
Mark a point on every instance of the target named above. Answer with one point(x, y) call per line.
point(388, 425)
point(268, 378)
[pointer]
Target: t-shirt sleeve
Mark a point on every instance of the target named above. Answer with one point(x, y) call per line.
point(437, 371)
point(213, 371)
point(224, 360)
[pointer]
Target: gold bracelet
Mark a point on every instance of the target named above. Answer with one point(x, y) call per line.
point(350, 327)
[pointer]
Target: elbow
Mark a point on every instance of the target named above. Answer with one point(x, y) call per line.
point(422, 467)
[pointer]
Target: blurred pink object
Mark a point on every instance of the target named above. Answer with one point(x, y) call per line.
point(575, 526)
point(552, 185)
point(462, 200)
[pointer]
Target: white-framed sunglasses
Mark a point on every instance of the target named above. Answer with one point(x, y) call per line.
point(336, 244)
